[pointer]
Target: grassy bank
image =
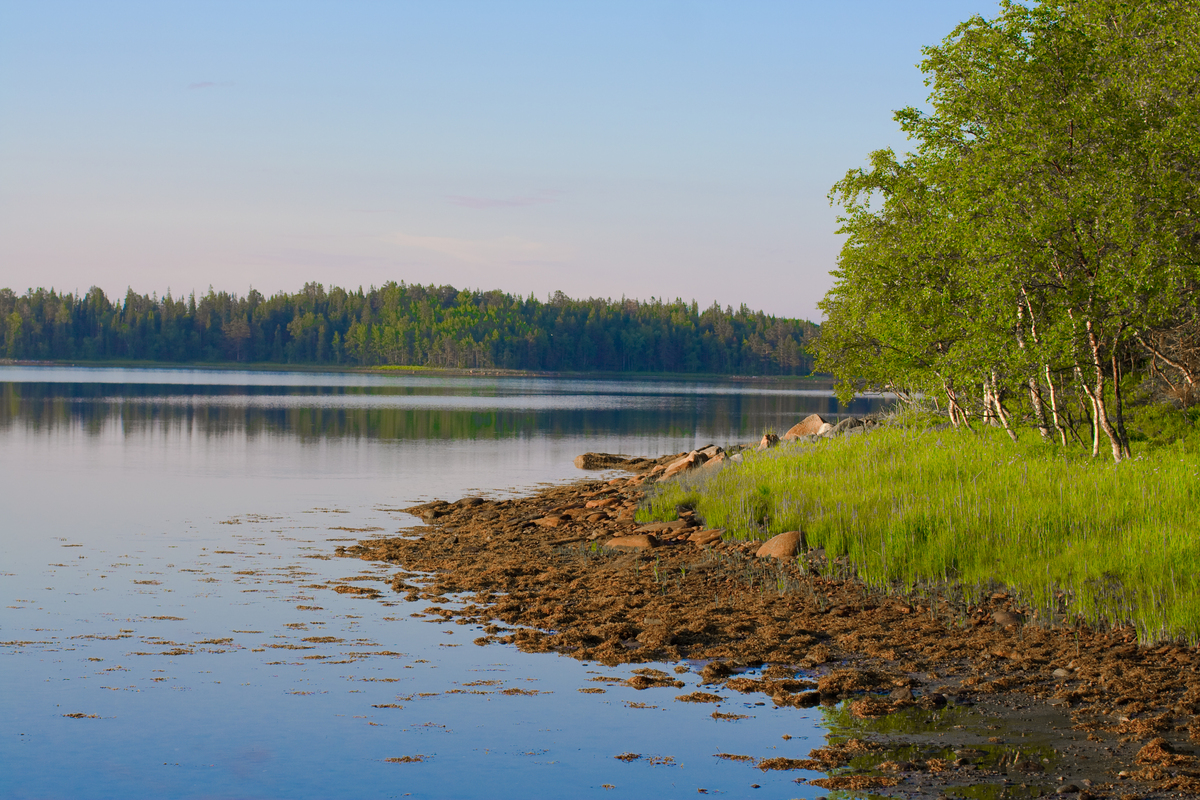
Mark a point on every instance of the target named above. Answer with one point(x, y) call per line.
point(915, 508)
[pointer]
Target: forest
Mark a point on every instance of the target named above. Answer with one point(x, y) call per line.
point(403, 325)
point(1036, 256)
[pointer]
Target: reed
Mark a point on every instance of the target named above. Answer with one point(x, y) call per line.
point(919, 509)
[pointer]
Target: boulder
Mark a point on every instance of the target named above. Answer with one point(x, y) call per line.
point(715, 461)
point(553, 521)
point(690, 461)
point(824, 430)
point(711, 451)
point(634, 542)
point(805, 427)
point(783, 546)
point(768, 440)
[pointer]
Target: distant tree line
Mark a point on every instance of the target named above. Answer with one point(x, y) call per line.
point(407, 325)
point(1042, 241)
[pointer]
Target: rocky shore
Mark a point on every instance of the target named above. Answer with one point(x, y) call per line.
point(568, 570)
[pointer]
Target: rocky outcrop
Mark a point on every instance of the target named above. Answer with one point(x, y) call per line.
point(613, 461)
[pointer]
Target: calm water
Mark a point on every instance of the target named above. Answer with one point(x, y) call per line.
point(164, 553)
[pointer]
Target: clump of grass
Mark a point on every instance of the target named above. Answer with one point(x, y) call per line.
point(915, 506)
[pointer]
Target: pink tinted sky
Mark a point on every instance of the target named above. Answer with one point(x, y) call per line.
point(605, 149)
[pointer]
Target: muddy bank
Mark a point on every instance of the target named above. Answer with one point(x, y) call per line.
point(927, 696)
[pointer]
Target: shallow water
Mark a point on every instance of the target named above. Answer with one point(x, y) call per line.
point(165, 540)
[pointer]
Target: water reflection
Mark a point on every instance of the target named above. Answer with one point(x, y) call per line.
point(486, 409)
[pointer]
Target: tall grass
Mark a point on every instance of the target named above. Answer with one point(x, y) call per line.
point(1113, 544)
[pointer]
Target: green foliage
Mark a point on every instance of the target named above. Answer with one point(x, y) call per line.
point(1043, 228)
point(918, 506)
point(399, 325)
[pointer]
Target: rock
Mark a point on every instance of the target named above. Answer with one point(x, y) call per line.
point(711, 451)
point(783, 546)
point(611, 461)
point(1067, 788)
point(1061, 673)
point(715, 461)
point(655, 527)
point(806, 699)
point(605, 503)
point(690, 461)
point(634, 542)
point(704, 538)
point(901, 695)
point(1006, 619)
point(846, 424)
point(805, 427)
point(552, 521)
point(768, 440)
point(736, 458)
point(468, 502)
point(824, 430)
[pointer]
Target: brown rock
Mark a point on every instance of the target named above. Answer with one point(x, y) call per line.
point(552, 521)
point(611, 461)
point(768, 440)
point(715, 461)
point(1006, 618)
point(783, 546)
point(809, 426)
point(690, 461)
point(703, 538)
point(634, 542)
point(605, 503)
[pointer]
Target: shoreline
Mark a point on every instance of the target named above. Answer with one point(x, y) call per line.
point(824, 380)
point(1118, 719)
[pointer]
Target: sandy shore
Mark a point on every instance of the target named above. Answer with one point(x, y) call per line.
point(941, 695)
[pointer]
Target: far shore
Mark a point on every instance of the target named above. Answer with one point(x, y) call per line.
point(814, 379)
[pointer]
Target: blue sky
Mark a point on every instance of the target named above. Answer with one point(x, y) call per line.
point(605, 149)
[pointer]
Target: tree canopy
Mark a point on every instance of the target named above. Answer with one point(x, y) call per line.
point(407, 325)
point(1041, 237)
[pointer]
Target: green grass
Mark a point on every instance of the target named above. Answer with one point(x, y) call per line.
point(916, 508)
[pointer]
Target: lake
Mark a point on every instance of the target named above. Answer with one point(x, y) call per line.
point(168, 631)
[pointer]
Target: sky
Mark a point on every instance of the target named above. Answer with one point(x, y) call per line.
point(605, 149)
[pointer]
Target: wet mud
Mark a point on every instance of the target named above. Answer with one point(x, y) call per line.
point(921, 697)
